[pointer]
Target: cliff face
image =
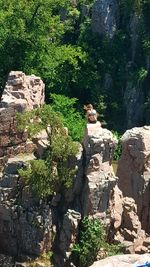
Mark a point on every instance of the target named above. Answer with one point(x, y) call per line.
point(130, 77)
point(134, 171)
point(29, 228)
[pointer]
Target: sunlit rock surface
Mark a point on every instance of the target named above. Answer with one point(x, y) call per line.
point(134, 171)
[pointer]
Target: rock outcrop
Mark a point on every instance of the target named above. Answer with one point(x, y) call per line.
point(123, 261)
point(29, 227)
point(105, 17)
point(25, 224)
point(67, 237)
point(125, 224)
point(99, 145)
point(21, 93)
point(134, 171)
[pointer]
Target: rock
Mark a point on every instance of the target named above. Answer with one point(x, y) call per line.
point(123, 261)
point(125, 224)
point(134, 171)
point(21, 93)
point(134, 103)
point(25, 227)
point(116, 207)
point(105, 17)
point(67, 237)
point(6, 261)
point(99, 145)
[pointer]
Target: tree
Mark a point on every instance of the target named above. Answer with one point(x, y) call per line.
point(31, 33)
point(48, 175)
point(72, 119)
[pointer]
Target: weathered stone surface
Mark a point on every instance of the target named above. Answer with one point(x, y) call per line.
point(125, 223)
point(25, 225)
point(105, 17)
point(67, 237)
point(123, 261)
point(134, 171)
point(21, 93)
point(6, 261)
point(100, 179)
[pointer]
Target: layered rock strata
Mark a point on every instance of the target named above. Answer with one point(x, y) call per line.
point(99, 145)
point(25, 225)
point(21, 93)
point(134, 171)
point(125, 224)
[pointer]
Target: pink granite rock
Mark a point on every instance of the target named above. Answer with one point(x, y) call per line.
point(99, 145)
point(134, 171)
point(125, 223)
point(21, 93)
point(123, 261)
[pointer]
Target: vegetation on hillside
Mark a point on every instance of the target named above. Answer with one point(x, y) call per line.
point(54, 39)
point(54, 171)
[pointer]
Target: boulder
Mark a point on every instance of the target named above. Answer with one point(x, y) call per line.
point(134, 171)
point(123, 261)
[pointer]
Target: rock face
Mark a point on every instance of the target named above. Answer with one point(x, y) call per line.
point(67, 237)
point(25, 226)
point(123, 261)
point(125, 224)
point(21, 93)
point(99, 176)
point(105, 17)
point(134, 171)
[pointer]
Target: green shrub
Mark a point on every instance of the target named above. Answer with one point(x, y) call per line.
point(118, 149)
point(92, 238)
point(72, 119)
point(48, 175)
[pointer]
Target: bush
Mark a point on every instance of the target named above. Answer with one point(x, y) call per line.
point(118, 149)
point(71, 118)
point(48, 175)
point(92, 238)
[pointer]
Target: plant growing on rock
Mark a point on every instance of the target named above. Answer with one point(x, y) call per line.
point(118, 149)
point(53, 172)
point(92, 240)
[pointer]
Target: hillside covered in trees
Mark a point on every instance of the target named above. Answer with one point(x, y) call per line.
point(96, 51)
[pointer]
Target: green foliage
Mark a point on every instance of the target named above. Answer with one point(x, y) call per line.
point(54, 39)
point(31, 34)
point(118, 149)
point(131, 6)
point(46, 176)
point(71, 117)
point(92, 239)
point(142, 74)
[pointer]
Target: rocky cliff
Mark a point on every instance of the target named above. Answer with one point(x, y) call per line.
point(120, 22)
point(134, 171)
point(21, 93)
point(29, 228)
